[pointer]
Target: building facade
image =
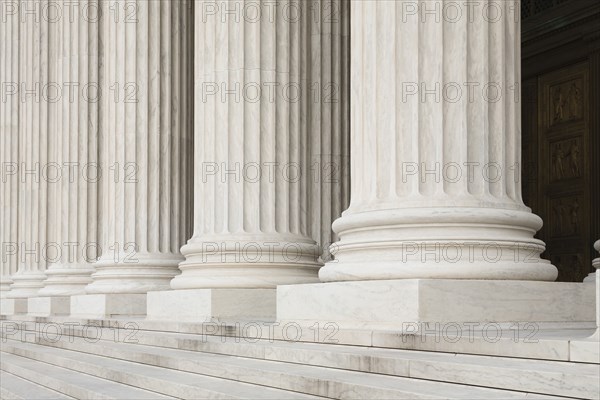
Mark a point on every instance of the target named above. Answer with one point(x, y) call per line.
point(297, 161)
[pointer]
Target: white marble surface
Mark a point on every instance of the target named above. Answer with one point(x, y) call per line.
point(549, 341)
point(47, 306)
point(399, 303)
point(319, 369)
point(587, 351)
point(147, 135)
point(108, 305)
point(201, 305)
point(13, 306)
point(424, 203)
point(9, 148)
point(263, 232)
point(74, 197)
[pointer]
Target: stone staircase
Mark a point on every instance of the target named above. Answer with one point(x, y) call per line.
point(112, 361)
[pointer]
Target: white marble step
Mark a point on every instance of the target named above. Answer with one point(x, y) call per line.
point(165, 381)
point(558, 342)
point(13, 387)
point(71, 383)
point(320, 381)
point(537, 376)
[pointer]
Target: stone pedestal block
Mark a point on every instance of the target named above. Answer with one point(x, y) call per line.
point(48, 306)
point(412, 304)
point(108, 305)
point(206, 304)
point(13, 306)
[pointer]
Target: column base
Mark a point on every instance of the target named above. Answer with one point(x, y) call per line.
point(26, 284)
point(13, 306)
point(134, 274)
point(247, 261)
point(5, 283)
point(48, 306)
point(438, 243)
point(63, 281)
point(412, 303)
point(108, 305)
point(200, 305)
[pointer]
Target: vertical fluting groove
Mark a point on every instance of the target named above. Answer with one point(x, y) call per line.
point(283, 129)
point(22, 53)
point(145, 229)
point(103, 127)
point(182, 162)
point(455, 108)
point(477, 110)
point(43, 143)
point(35, 134)
point(315, 119)
point(385, 99)
point(83, 131)
point(294, 204)
point(518, 117)
point(7, 137)
point(356, 58)
point(509, 86)
point(151, 104)
point(190, 115)
point(497, 121)
point(335, 202)
point(93, 147)
point(167, 102)
point(345, 98)
point(16, 123)
point(305, 114)
point(4, 159)
point(173, 182)
point(237, 134)
point(325, 101)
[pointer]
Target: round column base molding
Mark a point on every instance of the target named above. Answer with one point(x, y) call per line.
point(67, 280)
point(140, 274)
point(438, 243)
point(5, 283)
point(202, 276)
point(248, 261)
point(26, 284)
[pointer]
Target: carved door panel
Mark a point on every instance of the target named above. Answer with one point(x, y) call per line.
point(563, 170)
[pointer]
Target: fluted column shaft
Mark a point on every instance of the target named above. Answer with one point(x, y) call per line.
point(436, 146)
point(252, 225)
point(76, 142)
point(146, 132)
point(325, 67)
point(33, 152)
point(9, 154)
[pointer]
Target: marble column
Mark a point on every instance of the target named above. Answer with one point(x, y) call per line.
point(9, 137)
point(436, 150)
point(325, 76)
point(146, 143)
point(76, 142)
point(252, 131)
point(33, 152)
